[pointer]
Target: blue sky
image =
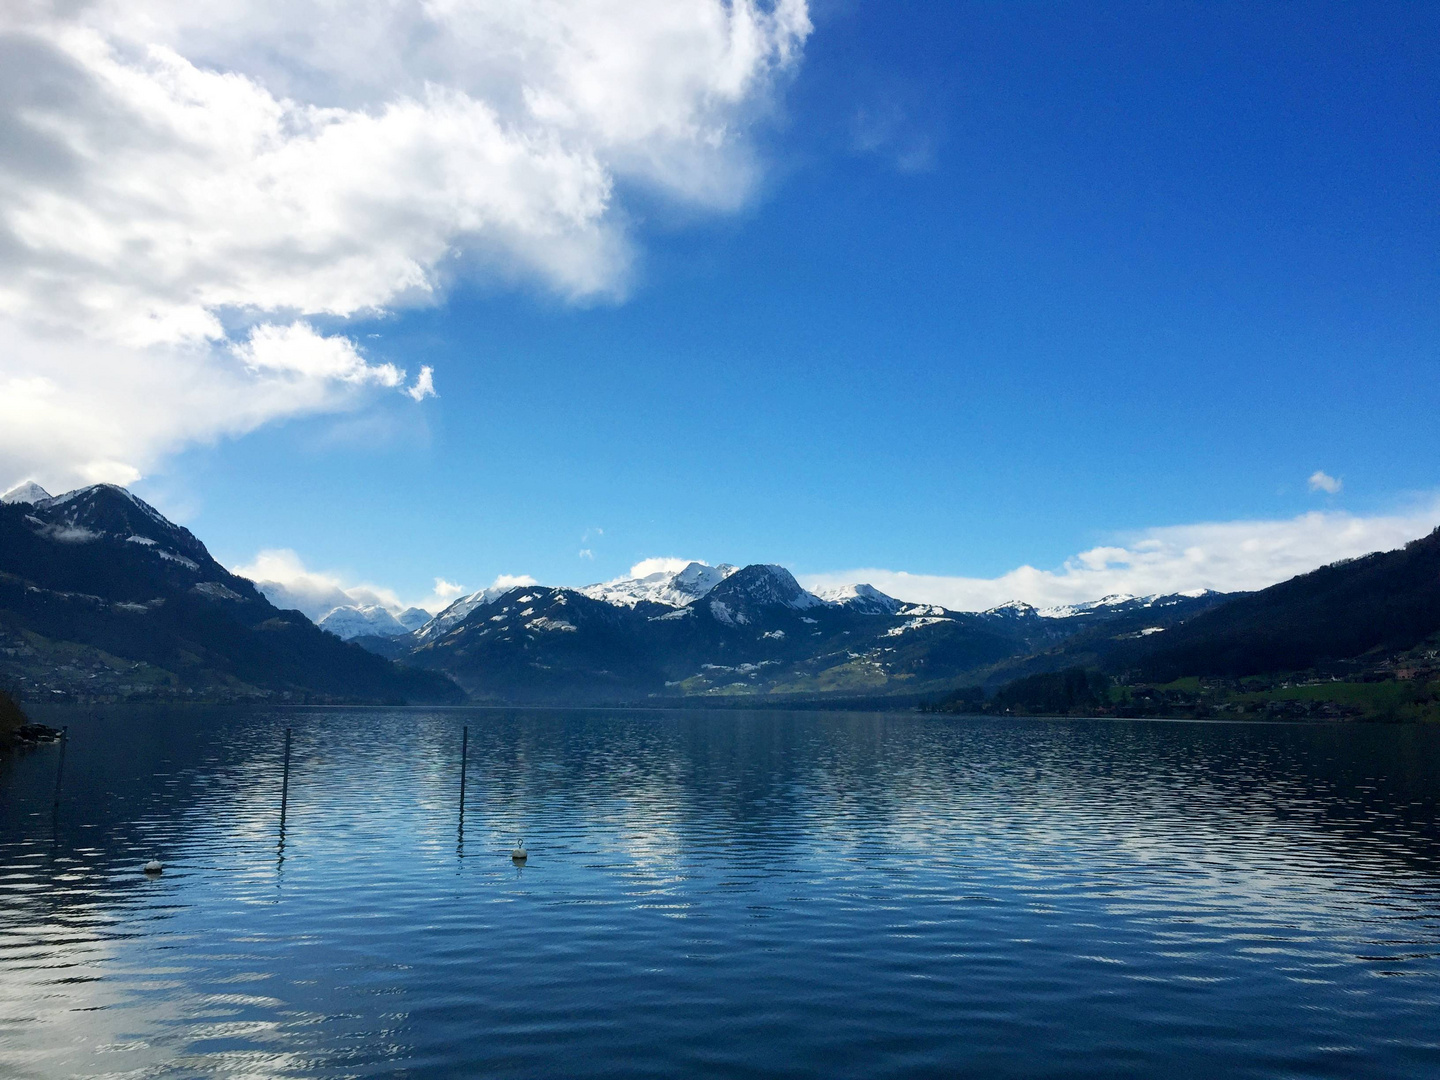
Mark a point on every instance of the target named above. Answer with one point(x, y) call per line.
point(1008, 282)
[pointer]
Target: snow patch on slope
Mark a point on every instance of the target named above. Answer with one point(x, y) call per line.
point(1122, 602)
point(863, 598)
point(457, 612)
point(915, 624)
point(676, 589)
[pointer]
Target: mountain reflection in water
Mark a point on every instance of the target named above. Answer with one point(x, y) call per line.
point(726, 894)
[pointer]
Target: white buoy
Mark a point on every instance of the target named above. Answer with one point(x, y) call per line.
point(154, 866)
point(520, 854)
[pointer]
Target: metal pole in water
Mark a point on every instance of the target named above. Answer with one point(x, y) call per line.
point(464, 755)
point(285, 785)
point(60, 772)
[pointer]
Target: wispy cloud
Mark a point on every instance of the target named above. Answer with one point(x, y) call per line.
point(1225, 556)
point(188, 192)
point(512, 581)
point(1323, 481)
point(284, 578)
point(660, 565)
point(887, 130)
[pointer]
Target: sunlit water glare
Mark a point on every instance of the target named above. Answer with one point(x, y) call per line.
point(719, 894)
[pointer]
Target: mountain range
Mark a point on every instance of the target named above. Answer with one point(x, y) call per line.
point(723, 631)
point(101, 596)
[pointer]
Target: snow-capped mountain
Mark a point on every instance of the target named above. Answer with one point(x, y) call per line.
point(743, 597)
point(1121, 602)
point(1014, 609)
point(862, 598)
point(28, 492)
point(106, 512)
point(677, 589)
point(358, 620)
point(458, 611)
point(755, 630)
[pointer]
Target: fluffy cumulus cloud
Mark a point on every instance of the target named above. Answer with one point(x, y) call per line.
point(1225, 556)
point(286, 581)
point(190, 191)
point(1323, 481)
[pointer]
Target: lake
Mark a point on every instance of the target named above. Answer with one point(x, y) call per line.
point(720, 894)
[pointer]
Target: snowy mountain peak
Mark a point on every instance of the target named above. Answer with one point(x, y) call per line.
point(762, 585)
point(28, 492)
point(1015, 609)
point(355, 620)
point(90, 514)
point(111, 508)
point(458, 611)
point(699, 578)
point(865, 599)
point(1113, 602)
point(677, 589)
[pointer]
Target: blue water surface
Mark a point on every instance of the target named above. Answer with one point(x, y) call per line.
point(718, 894)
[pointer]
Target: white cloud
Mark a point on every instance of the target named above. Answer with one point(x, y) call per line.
point(1225, 556)
point(659, 565)
point(502, 584)
point(282, 576)
point(512, 581)
point(586, 553)
point(297, 351)
point(442, 594)
point(424, 385)
point(185, 189)
point(1323, 481)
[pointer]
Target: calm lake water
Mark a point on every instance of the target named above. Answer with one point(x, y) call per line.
point(719, 894)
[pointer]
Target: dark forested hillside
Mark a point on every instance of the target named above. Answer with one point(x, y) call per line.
point(100, 595)
point(1379, 604)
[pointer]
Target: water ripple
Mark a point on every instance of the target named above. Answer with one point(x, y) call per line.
point(786, 895)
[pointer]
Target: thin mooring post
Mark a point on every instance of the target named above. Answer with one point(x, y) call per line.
point(285, 784)
point(60, 767)
point(464, 755)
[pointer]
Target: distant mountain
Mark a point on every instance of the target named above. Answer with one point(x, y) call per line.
point(533, 642)
point(1121, 603)
point(1372, 606)
point(1106, 634)
point(361, 620)
point(747, 596)
point(675, 589)
point(865, 599)
point(101, 595)
point(1356, 640)
point(754, 631)
point(456, 613)
point(28, 492)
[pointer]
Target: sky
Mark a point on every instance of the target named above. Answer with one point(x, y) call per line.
point(973, 301)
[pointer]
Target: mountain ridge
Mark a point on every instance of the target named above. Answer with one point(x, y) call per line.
point(754, 632)
point(99, 574)
point(102, 596)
